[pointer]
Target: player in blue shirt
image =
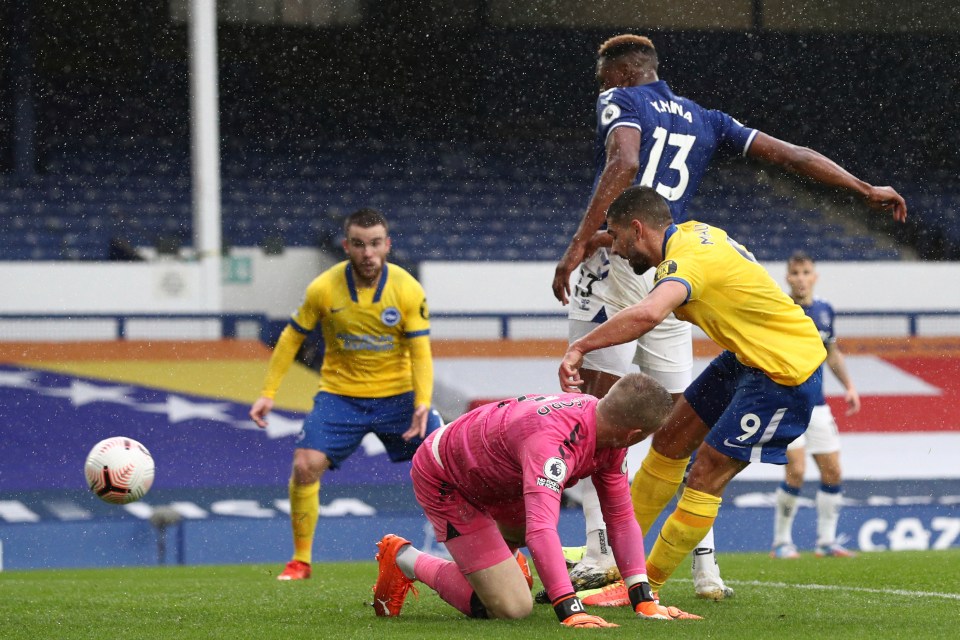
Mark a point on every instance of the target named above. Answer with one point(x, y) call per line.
point(650, 136)
point(821, 439)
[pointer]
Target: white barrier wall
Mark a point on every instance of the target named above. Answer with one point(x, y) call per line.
point(849, 286)
point(252, 283)
point(518, 288)
point(256, 283)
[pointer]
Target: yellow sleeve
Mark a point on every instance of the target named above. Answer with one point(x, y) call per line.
point(421, 361)
point(283, 355)
point(314, 301)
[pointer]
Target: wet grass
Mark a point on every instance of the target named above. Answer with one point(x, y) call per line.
point(913, 595)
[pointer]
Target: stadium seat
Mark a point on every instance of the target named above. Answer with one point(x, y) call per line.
point(466, 202)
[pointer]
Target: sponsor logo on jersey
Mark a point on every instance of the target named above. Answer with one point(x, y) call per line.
point(666, 268)
point(364, 342)
point(549, 484)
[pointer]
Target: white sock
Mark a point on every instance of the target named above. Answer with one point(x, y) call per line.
point(828, 515)
point(704, 557)
point(599, 553)
point(598, 548)
point(407, 559)
point(783, 516)
point(591, 507)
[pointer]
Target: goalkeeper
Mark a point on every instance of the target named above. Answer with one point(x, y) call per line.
point(490, 482)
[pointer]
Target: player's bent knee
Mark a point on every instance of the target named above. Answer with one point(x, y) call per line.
point(510, 606)
point(503, 590)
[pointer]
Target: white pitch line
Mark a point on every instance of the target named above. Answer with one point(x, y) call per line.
point(836, 587)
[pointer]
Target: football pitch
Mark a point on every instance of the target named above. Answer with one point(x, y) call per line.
point(914, 595)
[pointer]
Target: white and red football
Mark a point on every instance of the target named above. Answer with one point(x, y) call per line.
point(119, 470)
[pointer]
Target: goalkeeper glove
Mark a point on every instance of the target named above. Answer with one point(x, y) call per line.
point(571, 613)
point(646, 605)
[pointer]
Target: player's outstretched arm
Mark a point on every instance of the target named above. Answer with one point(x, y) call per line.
point(623, 162)
point(625, 326)
point(811, 164)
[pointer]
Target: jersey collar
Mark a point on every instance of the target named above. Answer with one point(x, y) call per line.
point(352, 285)
point(672, 229)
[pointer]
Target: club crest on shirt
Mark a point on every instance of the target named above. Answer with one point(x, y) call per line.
point(554, 473)
point(623, 466)
point(666, 268)
point(824, 319)
point(390, 316)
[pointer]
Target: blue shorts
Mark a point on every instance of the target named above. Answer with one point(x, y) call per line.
point(751, 417)
point(337, 424)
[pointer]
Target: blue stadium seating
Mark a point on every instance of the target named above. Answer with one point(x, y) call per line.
point(476, 202)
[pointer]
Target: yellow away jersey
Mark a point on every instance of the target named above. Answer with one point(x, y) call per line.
point(738, 304)
point(366, 331)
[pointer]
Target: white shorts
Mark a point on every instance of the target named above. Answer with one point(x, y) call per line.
point(822, 435)
point(663, 361)
point(603, 285)
point(608, 284)
point(614, 360)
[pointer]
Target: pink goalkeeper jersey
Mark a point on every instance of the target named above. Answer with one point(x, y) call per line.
point(517, 456)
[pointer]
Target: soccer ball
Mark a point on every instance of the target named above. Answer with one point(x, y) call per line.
point(119, 470)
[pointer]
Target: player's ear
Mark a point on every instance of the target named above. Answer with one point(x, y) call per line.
point(638, 435)
point(345, 243)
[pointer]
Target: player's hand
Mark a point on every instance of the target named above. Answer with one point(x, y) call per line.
point(569, 373)
point(600, 239)
point(587, 621)
point(571, 259)
point(259, 411)
point(887, 199)
point(418, 424)
point(853, 401)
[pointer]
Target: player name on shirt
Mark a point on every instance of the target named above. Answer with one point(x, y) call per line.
point(673, 108)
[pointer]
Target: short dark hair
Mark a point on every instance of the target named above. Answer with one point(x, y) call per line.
point(642, 203)
point(628, 43)
point(366, 218)
point(799, 256)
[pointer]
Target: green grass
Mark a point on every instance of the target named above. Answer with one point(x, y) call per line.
point(912, 595)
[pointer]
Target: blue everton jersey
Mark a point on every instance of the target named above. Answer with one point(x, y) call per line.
point(822, 314)
point(678, 138)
